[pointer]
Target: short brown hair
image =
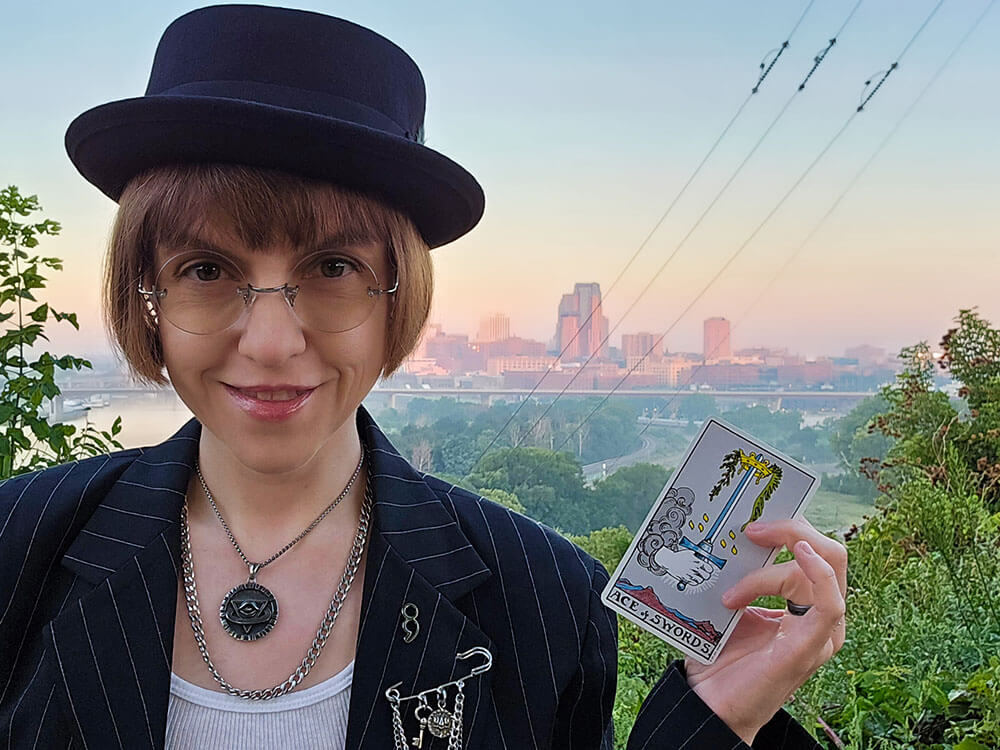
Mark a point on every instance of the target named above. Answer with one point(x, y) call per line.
point(164, 206)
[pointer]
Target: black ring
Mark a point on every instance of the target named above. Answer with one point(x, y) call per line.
point(796, 609)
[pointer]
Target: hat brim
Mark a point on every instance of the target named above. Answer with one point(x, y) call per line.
point(112, 143)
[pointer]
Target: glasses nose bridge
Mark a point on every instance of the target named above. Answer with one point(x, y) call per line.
point(289, 295)
point(249, 292)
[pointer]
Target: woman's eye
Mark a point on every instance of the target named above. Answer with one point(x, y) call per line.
point(333, 268)
point(206, 271)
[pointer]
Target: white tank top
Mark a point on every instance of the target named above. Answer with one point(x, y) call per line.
point(314, 718)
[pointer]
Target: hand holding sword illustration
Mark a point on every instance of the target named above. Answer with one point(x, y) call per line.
point(754, 467)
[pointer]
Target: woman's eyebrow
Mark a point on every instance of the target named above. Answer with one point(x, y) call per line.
point(335, 241)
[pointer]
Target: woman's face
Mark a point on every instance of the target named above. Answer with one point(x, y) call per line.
point(221, 376)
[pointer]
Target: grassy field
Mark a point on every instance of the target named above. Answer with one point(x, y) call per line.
point(831, 511)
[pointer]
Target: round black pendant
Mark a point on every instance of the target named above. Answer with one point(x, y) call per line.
point(249, 611)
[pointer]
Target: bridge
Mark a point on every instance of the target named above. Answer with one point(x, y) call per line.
point(490, 395)
point(773, 398)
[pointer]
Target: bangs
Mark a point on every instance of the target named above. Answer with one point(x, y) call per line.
point(258, 207)
point(175, 206)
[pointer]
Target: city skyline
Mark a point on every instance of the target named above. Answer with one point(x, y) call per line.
point(583, 125)
point(715, 330)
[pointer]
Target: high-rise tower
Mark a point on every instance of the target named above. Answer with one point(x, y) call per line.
point(493, 327)
point(581, 312)
point(716, 341)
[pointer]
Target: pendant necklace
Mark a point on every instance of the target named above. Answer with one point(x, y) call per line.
point(325, 628)
point(250, 611)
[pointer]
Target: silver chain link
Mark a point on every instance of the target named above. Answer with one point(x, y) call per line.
point(455, 738)
point(255, 567)
point(309, 661)
point(398, 733)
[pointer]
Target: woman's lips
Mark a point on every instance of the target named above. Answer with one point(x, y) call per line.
point(268, 411)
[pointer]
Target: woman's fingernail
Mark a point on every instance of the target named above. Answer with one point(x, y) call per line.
point(804, 548)
point(755, 526)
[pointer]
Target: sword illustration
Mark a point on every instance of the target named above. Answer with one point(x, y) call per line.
point(754, 466)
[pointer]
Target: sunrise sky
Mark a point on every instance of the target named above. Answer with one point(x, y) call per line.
point(582, 121)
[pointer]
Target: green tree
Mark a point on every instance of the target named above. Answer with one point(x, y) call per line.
point(626, 496)
point(697, 407)
point(856, 446)
point(920, 419)
point(611, 432)
point(454, 455)
point(548, 484)
point(504, 498)
point(28, 439)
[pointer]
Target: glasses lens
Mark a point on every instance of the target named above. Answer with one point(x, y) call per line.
point(199, 292)
point(335, 292)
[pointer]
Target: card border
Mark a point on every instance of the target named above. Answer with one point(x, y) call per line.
point(775, 551)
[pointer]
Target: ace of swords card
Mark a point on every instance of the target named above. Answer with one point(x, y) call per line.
point(691, 548)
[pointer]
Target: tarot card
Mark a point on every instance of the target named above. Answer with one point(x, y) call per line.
point(691, 547)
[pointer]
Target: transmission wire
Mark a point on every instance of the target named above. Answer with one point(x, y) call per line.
point(739, 250)
point(687, 236)
point(864, 168)
point(656, 226)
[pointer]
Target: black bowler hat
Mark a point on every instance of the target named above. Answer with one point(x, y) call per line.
point(287, 89)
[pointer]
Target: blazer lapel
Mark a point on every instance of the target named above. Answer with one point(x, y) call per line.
point(417, 555)
point(113, 648)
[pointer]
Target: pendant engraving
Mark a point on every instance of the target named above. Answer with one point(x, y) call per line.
point(249, 611)
point(439, 723)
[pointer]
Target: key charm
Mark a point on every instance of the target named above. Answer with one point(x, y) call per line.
point(439, 721)
point(420, 714)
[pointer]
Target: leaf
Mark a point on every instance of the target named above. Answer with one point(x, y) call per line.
point(970, 744)
point(40, 313)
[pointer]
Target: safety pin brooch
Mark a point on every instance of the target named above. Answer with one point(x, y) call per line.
point(392, 693)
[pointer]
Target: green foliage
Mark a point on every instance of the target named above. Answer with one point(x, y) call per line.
point(28, 440)
point(606, 545)
point(920, 419)
point(854, 444)
point(642, 657)
point(549, 485)
point(449, 436)
point(506, 499)
point(782, 429)
point(697, 407)
point(625, 496)
point(919, 667)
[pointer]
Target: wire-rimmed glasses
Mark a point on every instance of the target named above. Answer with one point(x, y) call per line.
point(204, 292)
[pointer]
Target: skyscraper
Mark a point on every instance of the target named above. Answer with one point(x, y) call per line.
point(637, 344)
point(493, 327)
point(581, 312)
point(716, 341)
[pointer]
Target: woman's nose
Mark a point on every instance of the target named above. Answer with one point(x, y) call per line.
point(270, 332)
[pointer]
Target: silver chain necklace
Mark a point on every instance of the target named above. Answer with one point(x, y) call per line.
point(249, 611)
point(312, 655)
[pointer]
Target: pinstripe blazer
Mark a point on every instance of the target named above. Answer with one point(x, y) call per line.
point(88, 585)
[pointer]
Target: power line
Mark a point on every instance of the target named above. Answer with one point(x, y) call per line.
point(690, 232)
point(764, 74)
point(747, 241)
point(864, 168)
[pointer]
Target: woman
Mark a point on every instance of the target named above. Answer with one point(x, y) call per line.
point(270, 253)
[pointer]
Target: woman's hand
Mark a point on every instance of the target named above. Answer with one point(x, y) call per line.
point(772, 652)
